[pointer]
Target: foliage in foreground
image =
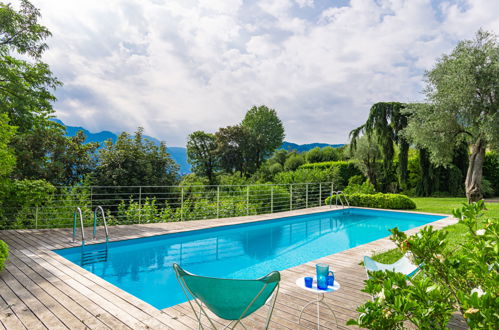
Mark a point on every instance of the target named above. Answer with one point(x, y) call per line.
point(465, 279)
point(380, 200)
point(4, 254)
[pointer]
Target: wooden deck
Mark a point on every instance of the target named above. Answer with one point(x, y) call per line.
point(42, 290)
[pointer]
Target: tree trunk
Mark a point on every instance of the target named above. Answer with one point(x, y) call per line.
point(403, 163)
point(475, 171)
point(371, 172)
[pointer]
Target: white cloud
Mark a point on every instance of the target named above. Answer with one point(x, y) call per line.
point(178, 66)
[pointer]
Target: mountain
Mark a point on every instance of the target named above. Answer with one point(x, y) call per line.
point(179, 154)
point(306, 147)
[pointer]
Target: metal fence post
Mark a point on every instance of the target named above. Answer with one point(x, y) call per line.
point(218, 202)
point(272, 199)
point(320, 193)
point(140, 204)
point(306, 195)
point(291, 197)
point(182, 204)
point(247, 199)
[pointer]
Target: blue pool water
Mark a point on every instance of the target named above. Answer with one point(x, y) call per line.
point(142, 266)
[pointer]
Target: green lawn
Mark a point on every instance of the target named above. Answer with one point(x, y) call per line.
point(445, 206)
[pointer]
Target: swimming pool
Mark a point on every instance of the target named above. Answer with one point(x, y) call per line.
point(142, 266)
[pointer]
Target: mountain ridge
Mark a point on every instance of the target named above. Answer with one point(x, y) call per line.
point(179, 154)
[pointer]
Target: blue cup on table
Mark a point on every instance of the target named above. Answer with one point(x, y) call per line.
point(322, 273)
point(330, 279)
point(309, 282)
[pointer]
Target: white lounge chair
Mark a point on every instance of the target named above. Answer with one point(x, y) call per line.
point(403, 265)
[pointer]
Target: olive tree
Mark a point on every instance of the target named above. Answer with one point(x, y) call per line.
point(366, 156)
point(463, 94)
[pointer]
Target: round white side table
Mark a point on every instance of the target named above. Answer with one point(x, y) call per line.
point(320, 298)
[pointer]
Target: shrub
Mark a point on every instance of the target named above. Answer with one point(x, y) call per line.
point(381, 201)
point(20, 199)
point(356, 179)
point(364, 188)
point(462, 279)
point(4, 254)
point(341, 170)
point(260, 198)
point(305, 176)
point(491, 170)
point(487, 189)
point(293, 162)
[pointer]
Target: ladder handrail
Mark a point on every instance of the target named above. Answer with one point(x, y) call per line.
point(104, 219)
point(78, 210)
point(341, 193)
point(338, 195)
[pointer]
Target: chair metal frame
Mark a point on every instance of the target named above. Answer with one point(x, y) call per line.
point(230, 325)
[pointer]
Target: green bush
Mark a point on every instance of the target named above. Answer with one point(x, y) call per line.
point(4, 254)
point(305, 176)
point(462, 278)
point(491, 170)
point(487, 189)
point(380, 201)
point(294, 162)
point(20, 198)
point(341, 170)
point(364, 188)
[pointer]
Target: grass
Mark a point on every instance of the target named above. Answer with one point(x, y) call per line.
point(445, 206)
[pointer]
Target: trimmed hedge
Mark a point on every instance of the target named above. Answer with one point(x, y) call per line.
point(4, 254)
point(380, 201)
point(342, 170)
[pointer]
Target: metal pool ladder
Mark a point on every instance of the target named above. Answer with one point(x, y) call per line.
point(339, 194)
point(76, 213)
point(93, 256)
point(99, 208)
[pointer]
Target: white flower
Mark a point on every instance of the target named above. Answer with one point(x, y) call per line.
point(480, 232)
point(381, 295)
point(478, 290)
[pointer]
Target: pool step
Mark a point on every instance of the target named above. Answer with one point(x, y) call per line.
point(92, 257)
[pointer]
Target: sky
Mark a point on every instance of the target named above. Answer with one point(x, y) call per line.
point(174, 67)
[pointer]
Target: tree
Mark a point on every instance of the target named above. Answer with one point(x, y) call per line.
point(367, 154)
point(266, 129)
point(314, 155)
point(7, 158)
point(279, 156)
point(236, 150)
point(202, 154)
point(463, 94)
point(135, 161)
point(329, 154)
point(45, 153)
point(25, 82)
point(72, 159)
point(386, 121)
point(293, 162)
